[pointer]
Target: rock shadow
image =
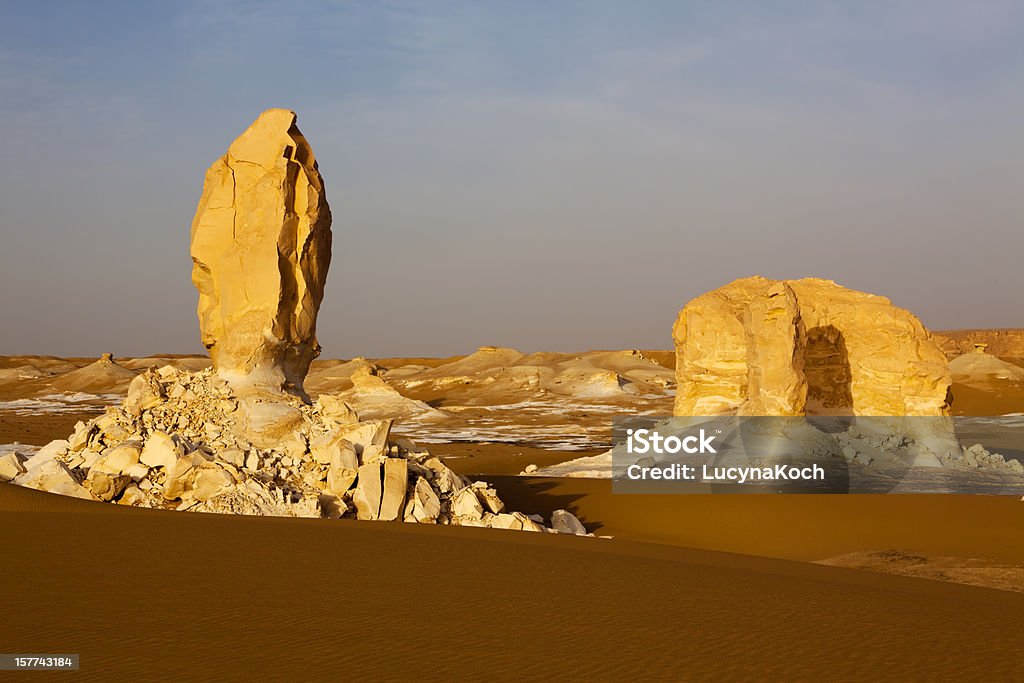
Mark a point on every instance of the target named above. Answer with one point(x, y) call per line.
point(827, 369)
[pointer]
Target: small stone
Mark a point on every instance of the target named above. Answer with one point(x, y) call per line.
point(167, 372)
point(467, 505)
point(117, 460)
point(144, 392)
point(363, 434)
point(489, 498)
point(106, 486)
point(137, 472)
point(332, 507)
point(340, 479)
point(335, 410)
point(233, 456)
point(181, 476)
point(54, 477)
point(252, 461)
point(133, 495)
point(345, 457)
point(210, 482)
point(564, 522)
point(52, 450)
point(530, 523)
point(504, 521)
point(446, 480)
point(10, 466)
point(373, 453)
point(426, 504)
point(80, 439)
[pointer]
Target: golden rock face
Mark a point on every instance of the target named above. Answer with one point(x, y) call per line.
point(805, 347)
point(261, 247)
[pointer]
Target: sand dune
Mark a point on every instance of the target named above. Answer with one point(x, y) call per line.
point(190, 363)
point(333, 376)
point(240, 596)
point(373, 398)
point(102, 376)
point(980, 370)
point(499, 375)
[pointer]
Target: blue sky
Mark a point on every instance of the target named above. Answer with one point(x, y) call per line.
point(551, 175)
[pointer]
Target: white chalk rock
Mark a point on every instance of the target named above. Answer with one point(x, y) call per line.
point(117, 460)
point(144, 392)
point(368, 492)
point(564, 522)
point(396, 479)
point(467, 506)
point(426, 504)
point(10, 466)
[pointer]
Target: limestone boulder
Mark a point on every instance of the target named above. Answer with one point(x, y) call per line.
point(488, 497)
point(10, 466)
point(810, 346)
point(160, 451)
point(267, 423)
point(466, 505)
point(426, 504)
point(368, 492)
point(118, 460)
point(181, 476)
point(564, 522)
point(396, 479)
point(334, 410)
point(261, 247)
point(52, 450)
point(53, 476)
point(144, 392)
point(445, 479)
point(340, 479)
point(211, 482)
point(105, 485)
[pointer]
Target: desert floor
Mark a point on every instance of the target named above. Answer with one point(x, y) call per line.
point(689, 586)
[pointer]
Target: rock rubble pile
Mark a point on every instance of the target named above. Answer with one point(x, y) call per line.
point(178, 442)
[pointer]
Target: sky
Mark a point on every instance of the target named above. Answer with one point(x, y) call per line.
point(549, 175)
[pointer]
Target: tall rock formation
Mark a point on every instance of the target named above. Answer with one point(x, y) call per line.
point(261, 247)
point(810, 346)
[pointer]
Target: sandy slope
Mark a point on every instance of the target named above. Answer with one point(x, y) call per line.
point(796, 527)
point(179, 596)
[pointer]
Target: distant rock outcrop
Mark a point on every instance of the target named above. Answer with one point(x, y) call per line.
point(261, 247)
point(799, 347)
point(981, 369)
point(1006, 343)
point(102, 376)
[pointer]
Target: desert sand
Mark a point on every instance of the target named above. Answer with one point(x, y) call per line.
point(234, 597)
